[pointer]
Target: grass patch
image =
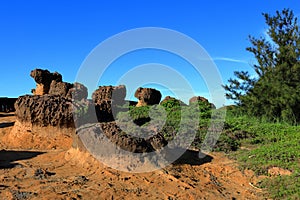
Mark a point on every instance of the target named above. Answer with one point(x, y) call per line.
point(272, 145)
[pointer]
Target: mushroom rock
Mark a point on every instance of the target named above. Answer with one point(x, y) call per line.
point(43, 79)
point(147, 96)
point(51, 83)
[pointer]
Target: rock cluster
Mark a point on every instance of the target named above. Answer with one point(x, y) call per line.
point(61, 110)
point(51, 83)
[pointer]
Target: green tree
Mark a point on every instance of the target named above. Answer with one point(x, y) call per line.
point(275, 93)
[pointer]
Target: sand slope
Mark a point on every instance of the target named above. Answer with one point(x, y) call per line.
point(70, 174)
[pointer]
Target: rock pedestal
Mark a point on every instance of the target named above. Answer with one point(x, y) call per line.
point(106, 100)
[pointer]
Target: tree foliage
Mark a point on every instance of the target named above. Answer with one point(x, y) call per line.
point(275, 92)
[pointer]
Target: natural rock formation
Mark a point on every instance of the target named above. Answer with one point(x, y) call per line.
point(46, 110)
point(169, 98)
point(43, 79)
point(77, 92)
point(104, 111)
point(147, 96)
point(46, 121)
point(201, 99)
point(60, 88)
point(51, 83)
point(114, 93)
point(106, 99)
point(116, 136)
point(59, 110)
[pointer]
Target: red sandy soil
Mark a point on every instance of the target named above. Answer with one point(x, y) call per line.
point(69, 174)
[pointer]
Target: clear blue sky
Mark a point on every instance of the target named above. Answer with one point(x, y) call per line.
point(58, 35)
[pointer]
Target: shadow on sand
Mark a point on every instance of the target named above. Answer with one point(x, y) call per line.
point(6, 114)
point(6, 124)
point(192, 157)
point(7, 158)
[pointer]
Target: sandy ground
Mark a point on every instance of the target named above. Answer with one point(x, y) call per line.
point(68, 174)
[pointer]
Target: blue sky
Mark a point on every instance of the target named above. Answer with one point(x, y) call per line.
point(59, 35)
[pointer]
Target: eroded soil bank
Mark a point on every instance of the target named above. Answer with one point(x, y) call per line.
point(70, 174)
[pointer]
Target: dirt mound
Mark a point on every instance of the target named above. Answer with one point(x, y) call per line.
point(74, 174)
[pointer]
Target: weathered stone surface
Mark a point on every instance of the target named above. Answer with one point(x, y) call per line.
point(199, 98)
point(60, 88)
point(124, 141)
point(114, 93)
point(43, 79)
point(26, 135)
point(106, 100)
point(147, 96)
point(41, 76)
point(104, 111)
point(46, 110)
point(51, 83)
point(77, 92)
point(157, 141)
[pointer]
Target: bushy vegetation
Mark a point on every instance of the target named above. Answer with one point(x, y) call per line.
point(274, 93)
point(265, 144)
point(267, 113)
point(264, 122)
point(172, 118)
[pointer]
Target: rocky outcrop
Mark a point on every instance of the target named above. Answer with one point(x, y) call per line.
point(118, 137)
point(46, 110)
point(201, 99)
point(114, 93)
point(147, 96)
point(77, 92)
point(43, 79)
point(60, 88)
point(172, 99)
point(60, 109)
point(51, 83)
point(106, 100)
point(48, 121)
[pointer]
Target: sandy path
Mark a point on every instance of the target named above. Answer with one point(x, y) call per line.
point(70, 175)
